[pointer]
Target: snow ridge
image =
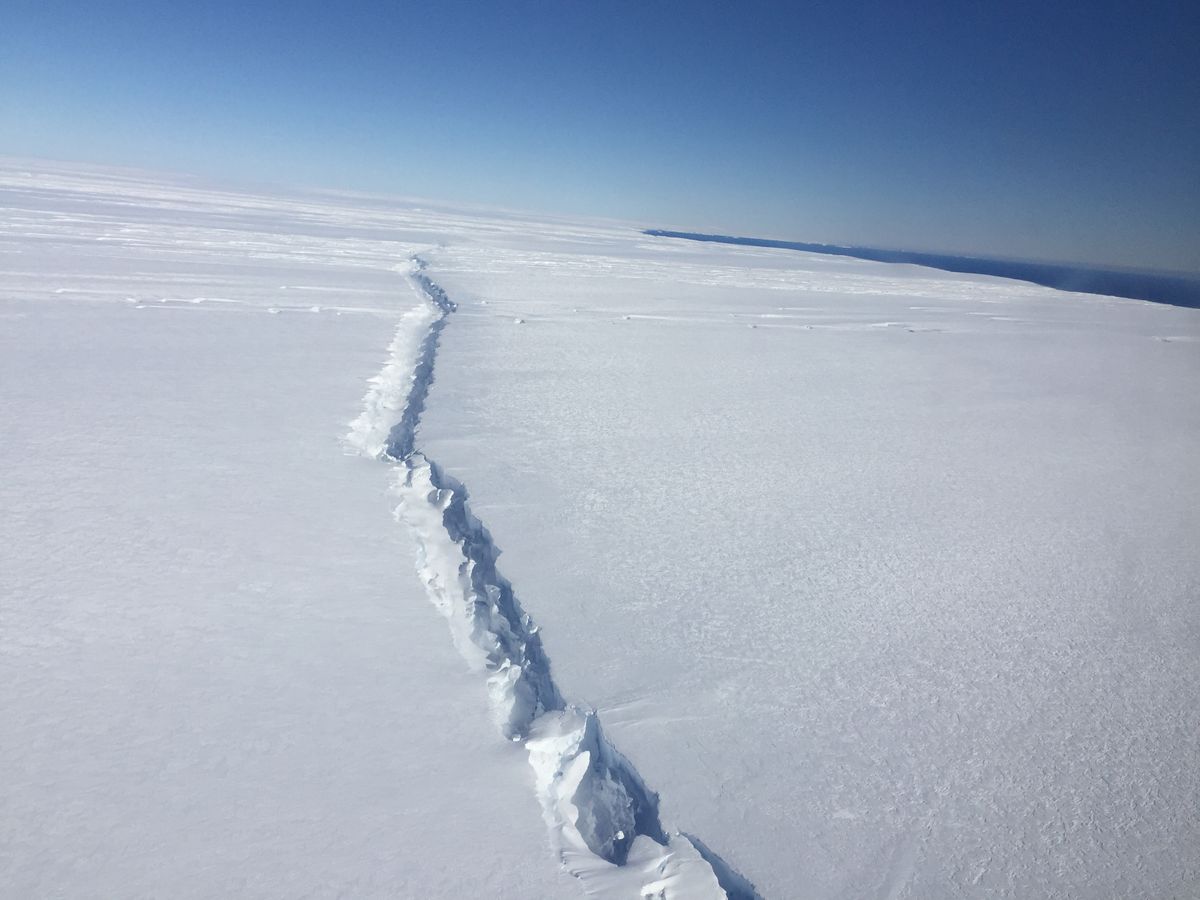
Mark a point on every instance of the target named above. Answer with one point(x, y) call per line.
point(604, 821)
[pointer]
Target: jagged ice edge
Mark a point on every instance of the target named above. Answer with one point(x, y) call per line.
point(603, 819)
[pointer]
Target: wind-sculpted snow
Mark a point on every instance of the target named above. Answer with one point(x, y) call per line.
point(604, 821)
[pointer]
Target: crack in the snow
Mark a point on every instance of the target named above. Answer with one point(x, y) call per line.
point(604, 820)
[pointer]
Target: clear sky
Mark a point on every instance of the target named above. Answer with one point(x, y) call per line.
point(1066, 131)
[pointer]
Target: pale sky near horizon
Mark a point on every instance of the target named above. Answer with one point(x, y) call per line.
point(1031, 130)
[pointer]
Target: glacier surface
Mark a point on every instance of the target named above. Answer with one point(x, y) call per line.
point(821, 577)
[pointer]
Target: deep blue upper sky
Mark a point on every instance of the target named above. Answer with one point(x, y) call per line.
point(1044, 130)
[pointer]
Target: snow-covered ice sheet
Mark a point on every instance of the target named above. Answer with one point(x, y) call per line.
point(883, 578)
point(218, 674)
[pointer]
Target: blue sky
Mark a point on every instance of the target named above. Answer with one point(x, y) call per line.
point(1033, 130)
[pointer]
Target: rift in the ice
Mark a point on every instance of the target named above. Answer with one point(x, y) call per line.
point(403, 433)
point(512, 638)
point(587, 776)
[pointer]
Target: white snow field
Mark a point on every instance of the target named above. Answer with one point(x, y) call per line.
point(219, 677)
point(821, 577)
